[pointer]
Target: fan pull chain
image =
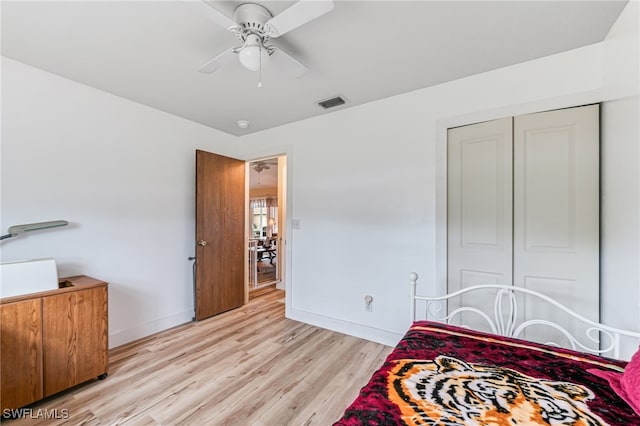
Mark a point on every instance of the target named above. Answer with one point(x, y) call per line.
point(260, 66)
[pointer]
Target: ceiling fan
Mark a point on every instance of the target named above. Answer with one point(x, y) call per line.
point(255, 26)
point(262, 165)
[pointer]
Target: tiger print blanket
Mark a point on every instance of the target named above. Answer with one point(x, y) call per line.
point(444, 375)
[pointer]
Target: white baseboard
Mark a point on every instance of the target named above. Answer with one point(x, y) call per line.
point(373, 334)
point(121, 337)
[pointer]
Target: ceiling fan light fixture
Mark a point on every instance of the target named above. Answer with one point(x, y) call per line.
point(253, 55)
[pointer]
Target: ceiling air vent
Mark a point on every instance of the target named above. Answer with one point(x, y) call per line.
point(332, 103)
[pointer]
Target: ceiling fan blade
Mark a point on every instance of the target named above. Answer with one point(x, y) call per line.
point(217, 62)
point(203, 8)
point(298, 14)
point(291, 64)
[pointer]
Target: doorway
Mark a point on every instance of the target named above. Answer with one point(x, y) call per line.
point(265, 220)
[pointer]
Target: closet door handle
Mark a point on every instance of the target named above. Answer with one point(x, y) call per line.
point(202, 243)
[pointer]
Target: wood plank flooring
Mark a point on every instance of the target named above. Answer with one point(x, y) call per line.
point(249, 366)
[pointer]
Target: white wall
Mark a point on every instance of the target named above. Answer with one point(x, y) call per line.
point(621, 62)
point(620, 183)
point(620, 214)
point(366, 184)
point(122, 174)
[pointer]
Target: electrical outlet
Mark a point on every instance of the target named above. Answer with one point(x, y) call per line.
point(368, 303)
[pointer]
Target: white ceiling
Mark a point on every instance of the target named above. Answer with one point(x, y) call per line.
point(149, 51)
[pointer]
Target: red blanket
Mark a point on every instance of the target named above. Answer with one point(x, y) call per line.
point(445, 375)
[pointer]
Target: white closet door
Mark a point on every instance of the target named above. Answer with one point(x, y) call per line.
point(556, 210)
point(479, 208)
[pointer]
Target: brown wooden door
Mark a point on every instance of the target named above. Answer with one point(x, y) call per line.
point(220, 229)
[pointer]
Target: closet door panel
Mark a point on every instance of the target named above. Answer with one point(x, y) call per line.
point(556, 209)
point(546, 176)
point(479, 206)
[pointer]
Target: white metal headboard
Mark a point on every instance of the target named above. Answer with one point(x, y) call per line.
point(504, 319)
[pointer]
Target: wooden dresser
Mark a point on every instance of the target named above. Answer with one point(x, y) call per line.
point(52, 340)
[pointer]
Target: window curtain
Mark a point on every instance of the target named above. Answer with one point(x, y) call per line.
point(255, 203)
point(263, 202)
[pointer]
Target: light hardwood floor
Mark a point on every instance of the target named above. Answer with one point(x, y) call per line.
point(249, 366)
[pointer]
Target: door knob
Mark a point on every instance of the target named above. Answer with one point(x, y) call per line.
point(202, 243)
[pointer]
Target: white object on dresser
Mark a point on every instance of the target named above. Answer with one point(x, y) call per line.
point(28, 276)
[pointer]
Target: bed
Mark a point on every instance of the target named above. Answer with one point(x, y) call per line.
point(446, 374)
